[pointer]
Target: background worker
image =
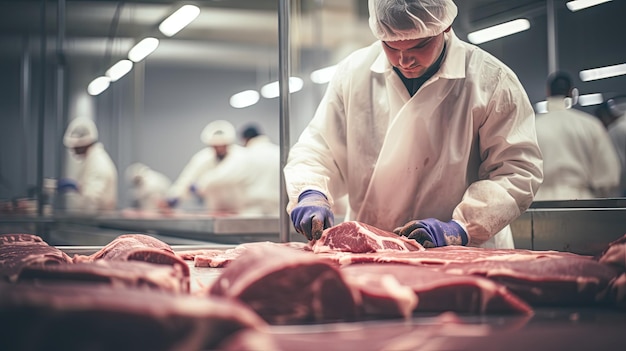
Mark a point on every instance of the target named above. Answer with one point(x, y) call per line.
point(94, 189)
point(219, 137)
point(149, 187)
point(580, 161)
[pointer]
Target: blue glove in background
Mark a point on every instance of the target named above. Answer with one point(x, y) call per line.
point(66, 184)
point(171, 203)
point(193, 189)
point(312, 214)
point(432, 232)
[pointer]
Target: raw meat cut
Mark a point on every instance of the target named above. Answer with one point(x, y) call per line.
point(353, 236)
point(113, 273)
point(552, 281)
point(436, 291)
point(286, 286)
point(73, 317)
point(137, 247)
point(221, 258)
point(18, 251)
point(615, 254)
point(442, 256)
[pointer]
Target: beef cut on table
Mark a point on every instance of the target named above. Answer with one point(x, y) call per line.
point(286, 286)
point(18, 251)
point(547, 281)
point(137, 247)
point(113, 273)
point(92, 317)
point(436, 291)
point(221, 258)
point(353, 236)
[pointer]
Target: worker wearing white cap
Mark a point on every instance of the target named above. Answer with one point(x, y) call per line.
point(149, 187)
point(430, 137)
point(220, 137)
point(95, 187)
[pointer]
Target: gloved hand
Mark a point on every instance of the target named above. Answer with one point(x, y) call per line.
point(193, 189)
point(172, 202)
point(312, 214)
point(432, 232)
point(66, 184)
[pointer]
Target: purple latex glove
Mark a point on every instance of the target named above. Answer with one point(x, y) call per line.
point(312, 214)
point(432, 232)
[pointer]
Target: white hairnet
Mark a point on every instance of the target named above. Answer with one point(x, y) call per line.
point(392, 20)
point(219, 133)
point(80, 132)
point(136, 170)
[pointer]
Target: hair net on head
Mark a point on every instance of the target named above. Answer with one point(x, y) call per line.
point(80, 132)
point(219, 133)
point(392, 20)
point(136, 170)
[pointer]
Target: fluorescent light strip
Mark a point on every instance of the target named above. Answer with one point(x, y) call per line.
point(244, 99)
point(143, 49)
point(98, 85)
point(119, 70)
point(602, 72)
point(590, 99)
point(323, 75)
point(583, 4)
point(498, 31)
point(179, 20)
point(271, 90)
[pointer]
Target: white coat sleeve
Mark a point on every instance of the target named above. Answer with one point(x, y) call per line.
point(199, 163)
point(511, 168)
point(605, 169)
point(312, 162)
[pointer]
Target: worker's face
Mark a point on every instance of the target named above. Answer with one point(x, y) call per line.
point(414, 57)
point(220, 151)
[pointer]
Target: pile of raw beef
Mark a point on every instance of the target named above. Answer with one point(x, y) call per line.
point(137, 293)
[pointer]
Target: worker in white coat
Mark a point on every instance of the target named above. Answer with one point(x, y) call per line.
point(95, 187)
point(148, 187)
point(262, 170)
point(431, 137)
point(580, 161)
point(220, 137)
point(614, 119)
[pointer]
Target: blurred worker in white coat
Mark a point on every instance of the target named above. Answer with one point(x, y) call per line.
point(220, 137)
point(614, 119)
point(149, 187)
point(580, 161)
point(430, 137)
point(262, 171)
point(95, 187)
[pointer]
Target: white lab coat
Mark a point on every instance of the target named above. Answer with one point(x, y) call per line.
point(579, 160)
point(220, 185)
point(97, 183)
point(152, 191)
point(463, 147)
point(199, 164)
point(263, 172)
point(617, 132)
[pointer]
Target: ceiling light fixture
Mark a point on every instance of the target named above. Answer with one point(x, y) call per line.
point(583, 4)
point(602, 72)
point(179, 20)
point(590, 99)
point(271, 90)
point(498, 31)
point(323, 75)
point(143, 49)
point(98, 85)
point(244, 99)
point(119, 70)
